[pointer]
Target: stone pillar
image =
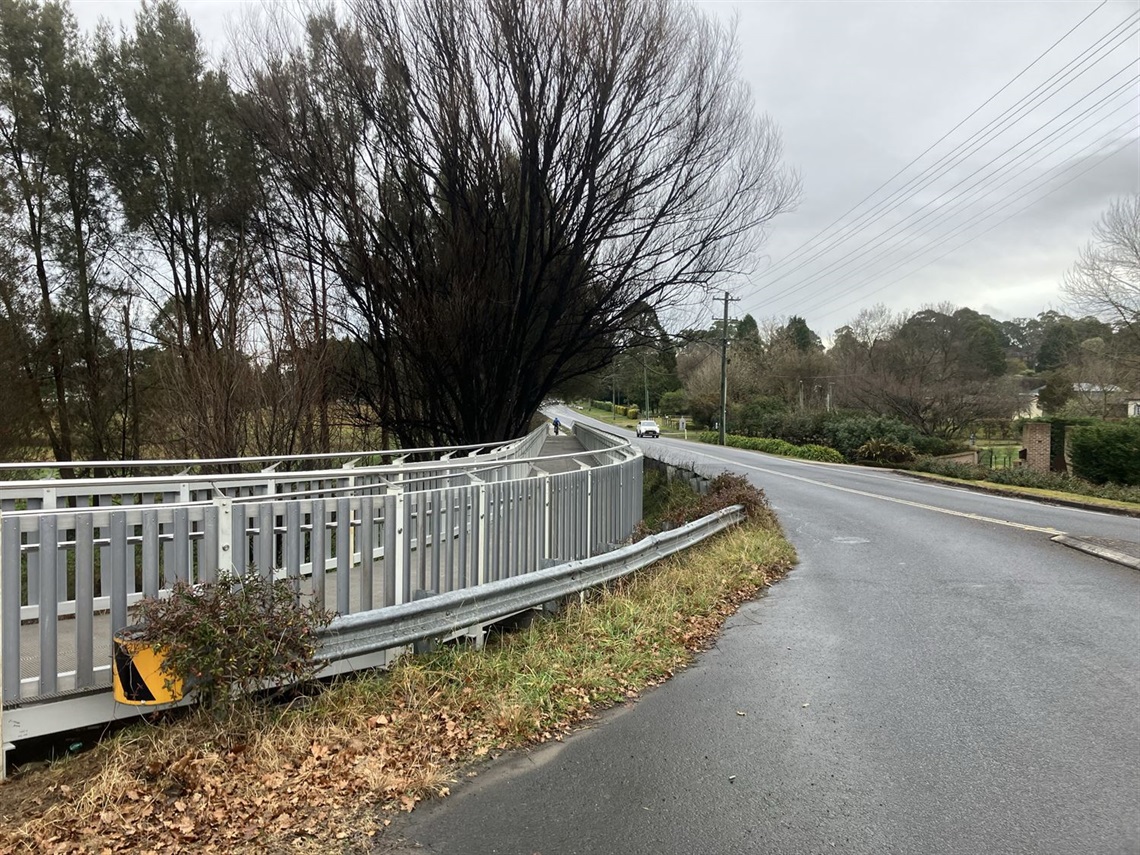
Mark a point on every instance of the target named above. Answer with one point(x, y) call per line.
point(1035, 436)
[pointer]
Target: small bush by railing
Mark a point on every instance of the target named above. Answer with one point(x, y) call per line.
point(230, 638)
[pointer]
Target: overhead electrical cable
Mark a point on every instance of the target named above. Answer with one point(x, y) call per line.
point(1041, 94)
point(945, 211)
point(862, 223)
point(1131, 140)
point(810, 241)
point(1129, 123)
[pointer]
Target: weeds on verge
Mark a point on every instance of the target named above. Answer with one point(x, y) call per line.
point(309, 776)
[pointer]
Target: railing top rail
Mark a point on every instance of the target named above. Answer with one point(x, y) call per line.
point(429, 469)
point(10, 466)
point(625, 447)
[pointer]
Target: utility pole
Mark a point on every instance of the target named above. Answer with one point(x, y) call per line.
point(724, 368)
point(645, 381)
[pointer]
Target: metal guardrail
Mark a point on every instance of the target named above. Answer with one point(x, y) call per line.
point(451, 613)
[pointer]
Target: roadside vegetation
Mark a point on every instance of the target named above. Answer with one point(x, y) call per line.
point(1056, 483)
point(325, 771)
point(775, 446)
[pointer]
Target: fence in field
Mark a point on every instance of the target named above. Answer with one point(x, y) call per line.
point(359, 532)
point(999, 457)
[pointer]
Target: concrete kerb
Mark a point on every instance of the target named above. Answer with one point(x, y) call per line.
point(1099, 551)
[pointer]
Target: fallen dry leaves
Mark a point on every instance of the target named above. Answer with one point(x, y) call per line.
point(318, 777)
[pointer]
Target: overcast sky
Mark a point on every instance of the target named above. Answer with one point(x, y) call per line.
point(990, 217)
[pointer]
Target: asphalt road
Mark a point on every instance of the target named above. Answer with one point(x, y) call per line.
point(936, 676)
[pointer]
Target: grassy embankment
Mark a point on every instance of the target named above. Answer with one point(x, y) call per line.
point(319, 774)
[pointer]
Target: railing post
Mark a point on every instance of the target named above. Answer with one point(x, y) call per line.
point(482, 523)
point(589, 512)
point(547, 534)
point(397, 546)
point(225, 535)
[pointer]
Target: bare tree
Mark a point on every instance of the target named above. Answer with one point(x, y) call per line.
point(937, 371)
point(507, 186)
point(1105, 280)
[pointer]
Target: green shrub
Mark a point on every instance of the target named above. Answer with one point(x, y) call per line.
point(823, 453)
point(848, 432)
point(1065, 483)
point(844, 431)
point(632, 411)
point(1023, 476)
point(774, 446)
point(936, 446)
point(230, 638)
point(1107, 452)
point(673, 403)
point(608, 406)
point(724, 490)
point(885, 452)
point(950, 469)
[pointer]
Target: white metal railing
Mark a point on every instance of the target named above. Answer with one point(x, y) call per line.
point(363, 538)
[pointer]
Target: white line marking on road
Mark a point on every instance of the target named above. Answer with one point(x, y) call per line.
point(907, 502)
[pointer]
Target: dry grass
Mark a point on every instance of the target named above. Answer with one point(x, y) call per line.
point(288, 779)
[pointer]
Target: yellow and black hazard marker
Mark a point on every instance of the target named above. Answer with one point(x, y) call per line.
point(138, 677)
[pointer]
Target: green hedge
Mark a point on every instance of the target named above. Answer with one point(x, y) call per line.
point(767, 445)
point(1107, 452)
point(844, 431)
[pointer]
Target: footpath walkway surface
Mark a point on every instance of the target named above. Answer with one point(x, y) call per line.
point(564, 443)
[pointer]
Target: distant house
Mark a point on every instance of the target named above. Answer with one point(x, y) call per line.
point(1029, 404)
point(1095, 389)
point(1106, 400)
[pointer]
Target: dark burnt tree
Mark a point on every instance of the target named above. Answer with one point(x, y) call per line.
point(504, 188)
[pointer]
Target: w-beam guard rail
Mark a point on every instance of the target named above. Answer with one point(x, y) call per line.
point(447, 614)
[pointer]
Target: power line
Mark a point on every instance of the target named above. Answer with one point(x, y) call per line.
point(1004, 220)
point(1129, 124)
point(871, 195)
point(957, 156)
point(979, 188)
